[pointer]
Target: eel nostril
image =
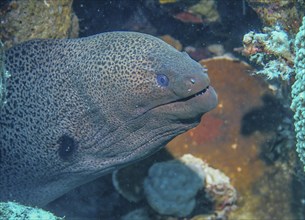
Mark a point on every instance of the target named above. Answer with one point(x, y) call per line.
point(193, 80)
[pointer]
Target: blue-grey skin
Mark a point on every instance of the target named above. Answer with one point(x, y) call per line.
point(80, 108)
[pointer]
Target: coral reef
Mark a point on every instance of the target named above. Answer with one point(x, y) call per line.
point(298, 92)
point(186, 186)
point(217, 187)
point(219, 135)
point(281, 56)
point(13, 211)
point(234, 137)
point(270, 50)
point(22, 20)
point(286, 12)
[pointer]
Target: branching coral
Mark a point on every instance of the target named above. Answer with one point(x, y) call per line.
point(283, 56)
point(298, 91)
point(270, 49)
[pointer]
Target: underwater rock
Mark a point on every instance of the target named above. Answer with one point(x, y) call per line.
point(129, 183)
point(171, 187)
point(14, 211)
point(217, 186)
point(22, 20)
point(186, 186)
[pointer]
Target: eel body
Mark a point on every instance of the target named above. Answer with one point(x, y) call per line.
point(80, 108)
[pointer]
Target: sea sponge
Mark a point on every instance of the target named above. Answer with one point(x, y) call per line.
point(174, 187)
point(298, 92)
point(171, 187)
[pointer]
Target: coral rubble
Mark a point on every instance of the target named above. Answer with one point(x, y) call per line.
point(286, 12)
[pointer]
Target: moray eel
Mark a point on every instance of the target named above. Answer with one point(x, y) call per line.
point(80, 108)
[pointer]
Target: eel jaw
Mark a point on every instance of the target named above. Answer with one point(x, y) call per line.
point(191, 107)
point(201, 92)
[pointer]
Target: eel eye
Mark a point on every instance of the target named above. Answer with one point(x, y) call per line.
point(162, 80)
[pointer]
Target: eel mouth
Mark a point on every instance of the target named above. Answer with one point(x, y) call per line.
point(201, 92)
point(194, 105)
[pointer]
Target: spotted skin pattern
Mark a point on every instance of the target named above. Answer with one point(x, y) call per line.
point(80, 108)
